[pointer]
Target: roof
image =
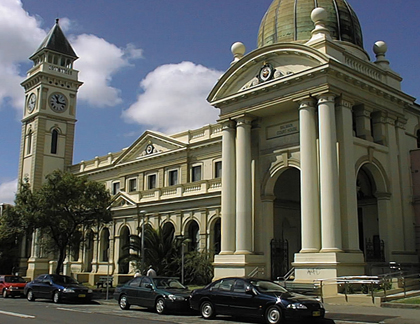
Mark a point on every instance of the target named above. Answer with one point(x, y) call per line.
point(290, 21)
point(56, 41)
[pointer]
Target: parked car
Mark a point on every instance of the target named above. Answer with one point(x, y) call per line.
point(58, 288)
point(251, 297)
point(163, 294)
point(12, 285)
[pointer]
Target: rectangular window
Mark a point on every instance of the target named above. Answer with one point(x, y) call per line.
point(173, 177)
point(196, 173)
point(151, 181)
point(218, 169)
point(132, 185)
point(115, 188)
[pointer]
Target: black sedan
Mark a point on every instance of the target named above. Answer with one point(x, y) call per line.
point(160, 293)
point(58, 288)
point(251, 297)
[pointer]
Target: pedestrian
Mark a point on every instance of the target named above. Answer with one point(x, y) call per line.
point(137, 274)
point(151, 272)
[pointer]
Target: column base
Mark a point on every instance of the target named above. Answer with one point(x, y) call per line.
point(36, 267)
point(311, 266)
point(240, 265)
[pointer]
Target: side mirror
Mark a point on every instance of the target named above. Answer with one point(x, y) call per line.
point(149, 286)
point(1, 282)
point(249, 291)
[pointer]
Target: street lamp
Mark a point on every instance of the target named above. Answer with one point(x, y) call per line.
point(183, 241)
point(143, 213)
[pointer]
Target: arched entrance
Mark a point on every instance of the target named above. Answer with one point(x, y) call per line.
point(193, 236)
point(88, 256)
point(286, 222)
point(124, 250)
point(370, 241)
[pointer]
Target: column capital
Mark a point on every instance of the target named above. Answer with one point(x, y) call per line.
point(228, 124)
point(401, 122)
point(382, 195)
point(244, 120)
point(345, 103)
point(326, 98)
point(307, 103)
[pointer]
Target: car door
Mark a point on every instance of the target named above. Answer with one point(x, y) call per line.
point(221, 296)
point(146, 293)
point(131, 290)
point(242, 302)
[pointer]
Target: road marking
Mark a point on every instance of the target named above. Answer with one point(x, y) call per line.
point(17, 314)
point(74, 310)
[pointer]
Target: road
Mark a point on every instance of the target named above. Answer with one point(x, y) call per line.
point(20, 311)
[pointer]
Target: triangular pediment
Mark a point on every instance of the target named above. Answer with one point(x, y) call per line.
point(148, 145)
point(121, 201)
point(264, 66)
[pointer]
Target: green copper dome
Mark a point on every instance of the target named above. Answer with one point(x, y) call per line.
point(290, 20)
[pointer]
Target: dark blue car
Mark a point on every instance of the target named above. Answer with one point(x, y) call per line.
point(58, 288)
point(252, 297)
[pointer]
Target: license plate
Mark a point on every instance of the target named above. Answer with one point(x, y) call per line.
point(82, 295)
point(316, 313)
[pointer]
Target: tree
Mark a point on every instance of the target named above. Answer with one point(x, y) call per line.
point(64, 206)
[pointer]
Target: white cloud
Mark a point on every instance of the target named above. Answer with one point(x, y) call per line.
point(20, 35)
point(98, 62)
point(174, 98)
point(8, 191)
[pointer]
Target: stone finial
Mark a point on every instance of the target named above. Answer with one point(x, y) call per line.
point(238, 51)
point(319, 16)
point(380, 48)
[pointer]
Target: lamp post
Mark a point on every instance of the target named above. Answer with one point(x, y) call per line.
point(143, 213)
point(183, 241)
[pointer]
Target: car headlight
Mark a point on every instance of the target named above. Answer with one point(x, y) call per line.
point(90, 291)
point(68, 290)
point(297, 306)
point(175, 298)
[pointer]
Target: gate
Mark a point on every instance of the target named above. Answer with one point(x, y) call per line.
point(279, 258)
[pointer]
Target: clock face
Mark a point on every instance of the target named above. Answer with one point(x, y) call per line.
point(31, 104)
point(58, 102)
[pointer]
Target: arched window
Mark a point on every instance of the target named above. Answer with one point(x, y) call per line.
point(105, 245)
point(29, 142)
point(54, 141)
point(194, 236)
point(418, 138)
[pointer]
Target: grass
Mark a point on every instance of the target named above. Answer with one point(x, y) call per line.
point(410, 301)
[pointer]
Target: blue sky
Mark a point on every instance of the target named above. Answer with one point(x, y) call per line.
point(150, 64)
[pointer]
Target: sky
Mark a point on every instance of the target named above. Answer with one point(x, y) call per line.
point(151, 64)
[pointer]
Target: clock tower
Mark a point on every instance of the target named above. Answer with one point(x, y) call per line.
point(49, 116)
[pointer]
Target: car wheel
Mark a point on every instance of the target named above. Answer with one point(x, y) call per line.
point(160, 306)
point(5, 293)
point(56, 297)
point(30, 295)
point(207, 310)
point(124, 304)
point(273, 315)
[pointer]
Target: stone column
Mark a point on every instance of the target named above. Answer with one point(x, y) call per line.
point(228, 196)
point(330, 195)
point(347, 176)
point(243, 186)
point(311, 223)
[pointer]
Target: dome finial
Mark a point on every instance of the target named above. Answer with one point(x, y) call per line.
point(380, 48)
point(238, 51)
point(319, 16)
point(57, 20)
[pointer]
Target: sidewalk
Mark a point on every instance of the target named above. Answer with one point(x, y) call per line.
point(368, 314)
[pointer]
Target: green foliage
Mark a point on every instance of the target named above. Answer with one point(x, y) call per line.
point(163, 251)
point(64, 205)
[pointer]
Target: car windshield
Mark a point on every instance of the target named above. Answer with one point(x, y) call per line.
point(267, 286)
point(167, 283)
point(14, 279)
point(63, 279)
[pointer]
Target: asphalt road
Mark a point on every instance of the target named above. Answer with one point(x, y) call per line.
point(20, 311)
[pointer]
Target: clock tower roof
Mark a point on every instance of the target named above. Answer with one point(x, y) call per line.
point(56, 41)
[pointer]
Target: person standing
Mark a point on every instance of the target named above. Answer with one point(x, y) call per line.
point(151, 272)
